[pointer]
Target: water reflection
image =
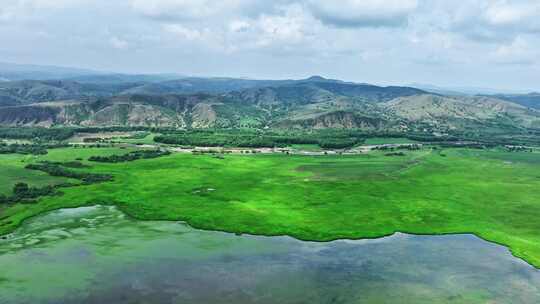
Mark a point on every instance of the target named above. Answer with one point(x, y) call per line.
point(97, 255)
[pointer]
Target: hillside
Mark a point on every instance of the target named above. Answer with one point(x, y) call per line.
point(190, 85)
point(30, 91)
point(531, 100)
point(314, 102)
point(460, 113)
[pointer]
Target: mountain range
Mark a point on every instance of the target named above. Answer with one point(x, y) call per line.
point(189, 102)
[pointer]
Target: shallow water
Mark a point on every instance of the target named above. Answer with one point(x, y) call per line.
point(97, 255)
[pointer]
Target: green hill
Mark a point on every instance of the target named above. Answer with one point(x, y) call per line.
point(309, 103)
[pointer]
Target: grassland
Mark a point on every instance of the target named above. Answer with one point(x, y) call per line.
point(388, 140)
point(307, 147)
point(12, 171)
point(491, 193)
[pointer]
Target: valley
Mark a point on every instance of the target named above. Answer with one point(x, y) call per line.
point(269, 152)
point(292, 167)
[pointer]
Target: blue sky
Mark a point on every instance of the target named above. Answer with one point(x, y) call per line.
point(488, 43)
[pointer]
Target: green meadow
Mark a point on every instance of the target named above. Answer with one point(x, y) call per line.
point(388, 140)
point(493, 194)
point(12, 171)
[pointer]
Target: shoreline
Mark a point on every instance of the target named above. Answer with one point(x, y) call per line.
point(313, 240)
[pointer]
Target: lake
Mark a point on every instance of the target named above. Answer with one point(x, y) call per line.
point(99, 255)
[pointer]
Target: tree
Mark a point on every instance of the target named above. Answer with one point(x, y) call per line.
point(20, 189)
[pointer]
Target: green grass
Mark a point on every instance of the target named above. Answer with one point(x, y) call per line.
point(493, 194)
point(119, 137)
point(388, 140)
point(147, 140)
point(307, 147)
point(12, 171)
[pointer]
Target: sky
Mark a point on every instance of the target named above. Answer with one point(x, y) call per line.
point(481, 43)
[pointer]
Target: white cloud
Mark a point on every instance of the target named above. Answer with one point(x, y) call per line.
point(517, 52)
point(523, 15)
point(183, 32)
point(350, 38)
point(239, 26)
point(118, 43)
point(186, 9)
point(363, 13)
point(490, 20)
point(293, 26)
point(39, 4)
point(11, 10)
point(289, 28)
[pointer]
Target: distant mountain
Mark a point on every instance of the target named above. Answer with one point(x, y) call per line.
point(196, 85)
point(12, 71)
point(531, 100)
point(26, 91)
point(314, 102)
point(32, 91)
point(365, 91)
point(438, 90)
point(117, 78)
point(461, 90)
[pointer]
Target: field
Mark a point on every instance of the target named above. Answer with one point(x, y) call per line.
point(12, 171)
point(491, 193)
point(307, 147)
point(388, 140)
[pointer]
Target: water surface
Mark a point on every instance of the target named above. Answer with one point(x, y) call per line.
point(97, 255)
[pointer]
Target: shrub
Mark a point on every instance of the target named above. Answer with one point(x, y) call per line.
point(131, 156)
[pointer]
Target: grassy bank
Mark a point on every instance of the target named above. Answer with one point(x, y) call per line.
point(493, 194)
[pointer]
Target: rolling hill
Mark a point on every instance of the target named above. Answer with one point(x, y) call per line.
point(314, 102)
point(531, 100)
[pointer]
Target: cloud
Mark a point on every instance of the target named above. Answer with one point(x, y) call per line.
point(11, 10)
point(491, 20)
point(366, 40)
point(517, 52)
point(187, 9)
point(237, 26)
point(522, 16)
point(183, 32)
point(363, 13)
point(291, 27)
point(118, 43)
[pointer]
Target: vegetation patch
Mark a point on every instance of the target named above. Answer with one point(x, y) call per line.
point(22, 193)
point(56, 169)
point(22, 149)
point(395, 154)
point(248, 138)
point(45, 134)
point(131, 156)
point(388, 140)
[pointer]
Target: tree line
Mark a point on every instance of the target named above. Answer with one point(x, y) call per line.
point(22, 193)
point(57, 169)
point(328, 139)
point(131, 156)
point(22, 149)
